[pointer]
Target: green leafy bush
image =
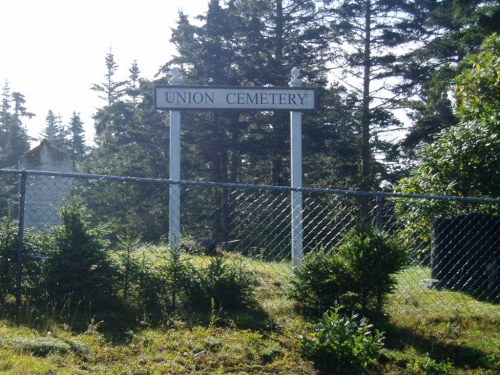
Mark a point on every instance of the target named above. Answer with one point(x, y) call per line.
point(464, 159)
point(428, 365)
point(342, 342)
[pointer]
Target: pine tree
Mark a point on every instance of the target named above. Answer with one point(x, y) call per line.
point(131, 140)
point(254, 42)
point(133, 82)
point(367, 37)
point(77, 138)
point(111, 90)
point(79, 273)
point(4, 125)
point(56, 133)
point(251, 43)
point(449, 30)
point(209, 54)
point(14, 140)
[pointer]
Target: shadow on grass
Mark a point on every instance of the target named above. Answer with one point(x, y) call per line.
point(120, 326)
point(462, 356)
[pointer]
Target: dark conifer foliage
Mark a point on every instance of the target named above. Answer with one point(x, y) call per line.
point(368, 37)
point(448, 31)
point(56, 132)
point(253, 43)
point(14, 140)
point(131, 140)
point(110, 90)
point(77, 138)
point(79, 272)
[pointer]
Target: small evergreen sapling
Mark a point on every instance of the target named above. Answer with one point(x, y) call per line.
point(358, 273)
point(371, 259)
point(78, 271)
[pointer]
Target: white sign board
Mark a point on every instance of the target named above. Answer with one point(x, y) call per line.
point(239, 98)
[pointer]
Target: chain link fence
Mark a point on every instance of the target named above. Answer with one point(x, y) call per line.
point(454, 242)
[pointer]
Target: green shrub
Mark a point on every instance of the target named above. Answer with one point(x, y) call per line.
point(78, 271)
point(140, 283)
point(178, 277)
point(358, 273)
point(8, 258)
point(319, 281)
point(31, 261)
point(43, 346)
point(221, 285)
point(428, 365)
point(341, 342)
point(371, 259)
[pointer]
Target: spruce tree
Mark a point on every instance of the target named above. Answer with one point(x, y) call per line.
point(449, 30)
point(14, 140)
point(56, 133)
point(254, 43)
point(110, 90)
point(368, 38)
point(132, 84)
point(78, 271)
point(131, 140)
point(77, 137)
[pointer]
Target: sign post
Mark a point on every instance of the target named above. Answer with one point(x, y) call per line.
point(174, 201)
point(295, 99)
point(296, 174)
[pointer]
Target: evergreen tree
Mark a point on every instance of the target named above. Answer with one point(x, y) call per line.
point(110, 90)
point(131, 140)
point(211, 56)
point(449, 30)
point(78, 271)
point(249, 43)
point(331, 148)
point(367, 37)
point(132, 84)
point(14, 140)
point(77, 138)
point(285, 34)
point(130, 134)
point(56, 133)
point(20, 110)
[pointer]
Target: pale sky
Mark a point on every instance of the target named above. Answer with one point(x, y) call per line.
point(52, 51)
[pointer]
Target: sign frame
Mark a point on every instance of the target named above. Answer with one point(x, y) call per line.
point(174, 232)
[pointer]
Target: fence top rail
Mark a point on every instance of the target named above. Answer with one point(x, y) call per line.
point(355, 193)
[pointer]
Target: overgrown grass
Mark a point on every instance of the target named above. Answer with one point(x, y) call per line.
point(427, 332)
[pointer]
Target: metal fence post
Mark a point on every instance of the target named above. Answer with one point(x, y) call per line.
point(296, 178)
point(20, 238)
point(380, 211)
point(174, 230)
